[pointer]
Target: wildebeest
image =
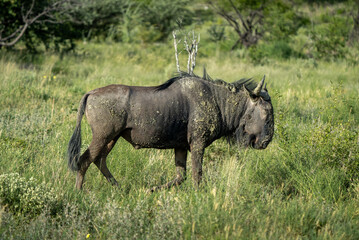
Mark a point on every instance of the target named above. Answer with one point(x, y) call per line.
point(186, 113)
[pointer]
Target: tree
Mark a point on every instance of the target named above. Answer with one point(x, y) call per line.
point(354, 36)
point(56, 23)
point(160, 17)
point(94, 17)
point(17, 17)
point(244, 16)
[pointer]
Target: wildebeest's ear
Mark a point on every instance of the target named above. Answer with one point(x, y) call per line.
point(265, 87)
point(250, 93)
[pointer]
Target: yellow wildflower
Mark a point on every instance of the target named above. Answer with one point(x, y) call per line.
point(88, 235)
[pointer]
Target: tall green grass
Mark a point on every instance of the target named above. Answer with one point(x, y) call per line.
point(304, 185)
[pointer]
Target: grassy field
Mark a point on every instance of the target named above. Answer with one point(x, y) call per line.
point(303, 186)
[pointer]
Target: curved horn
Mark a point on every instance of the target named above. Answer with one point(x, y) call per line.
point(258, 89)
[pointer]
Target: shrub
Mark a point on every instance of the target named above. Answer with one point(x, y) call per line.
point(216, 33)
point(159, 18)
point(336, 145)
point(258, 54)
point(282, 21)
point(262, 52)
point(27, 196)
point(330, 39)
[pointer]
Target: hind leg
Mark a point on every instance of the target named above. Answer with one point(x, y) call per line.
point(93, 152)
point(101, 163)
point(181, 162)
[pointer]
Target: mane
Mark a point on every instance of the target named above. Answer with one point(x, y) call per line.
point(234, 86)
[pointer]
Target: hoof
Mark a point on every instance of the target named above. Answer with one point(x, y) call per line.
point(153, 189)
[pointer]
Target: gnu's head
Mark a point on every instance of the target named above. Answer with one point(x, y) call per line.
point(256, 126)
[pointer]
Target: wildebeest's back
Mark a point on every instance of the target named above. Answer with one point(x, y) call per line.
point(152, 118)
point(157, 119)
point(172, 117)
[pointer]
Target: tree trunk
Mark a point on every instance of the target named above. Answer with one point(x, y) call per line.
point(354, 36)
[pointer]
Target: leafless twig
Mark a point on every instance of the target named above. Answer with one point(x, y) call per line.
point(192, 50)
point(195, 43)
point(189, 54)
point(176, 52)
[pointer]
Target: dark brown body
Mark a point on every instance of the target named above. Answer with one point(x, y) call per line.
point(163, 124)
point(186, 113)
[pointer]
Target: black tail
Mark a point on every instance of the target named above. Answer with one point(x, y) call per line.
point(74, 147)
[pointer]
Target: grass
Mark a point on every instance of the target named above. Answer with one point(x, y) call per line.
point(304, 185)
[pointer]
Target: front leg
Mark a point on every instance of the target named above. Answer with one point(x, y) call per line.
point(197, 151)
point(180, 161)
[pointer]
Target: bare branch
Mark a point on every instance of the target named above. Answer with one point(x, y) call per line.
point(11, 35)
point(230, 19)
point(191, 46)
point(176, 53)
point(8, 44)
point(195, 43)
point(239, 15)
point(189, 54)
point(232, 22)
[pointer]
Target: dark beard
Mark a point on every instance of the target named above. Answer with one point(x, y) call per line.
point(239, 137)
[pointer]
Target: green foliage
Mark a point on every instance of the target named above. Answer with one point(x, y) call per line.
point(330, 39)
point(288, 33)
point(337, 146)
point(298, 30)
point(49, 33)
point(288, 29)
point(328, 144)
point(260, 53)
point(150, 21)
point(159, 18)
point(216, 33)
point(119, 20)
point(26, 196)
point(92, 18)
point(282, 20)
point(243, 5)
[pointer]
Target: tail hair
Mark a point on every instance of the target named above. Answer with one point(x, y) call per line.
point(74, 147)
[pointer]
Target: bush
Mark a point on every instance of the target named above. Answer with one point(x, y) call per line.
point(258, 54)
point(216, 33)
point(337, 147)
point(159, 18)
point(332, 141)
point(282, 21)
point(330, 39)
point(279, 49)
point(149, 21)
point(25, 196)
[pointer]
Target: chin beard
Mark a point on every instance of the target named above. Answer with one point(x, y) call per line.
point(239, 138)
